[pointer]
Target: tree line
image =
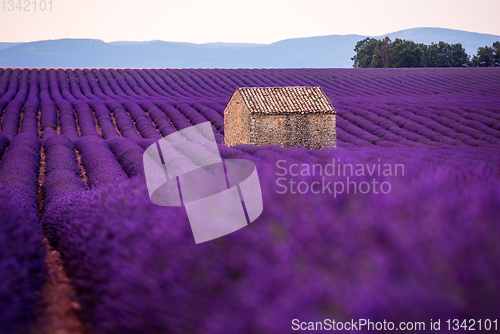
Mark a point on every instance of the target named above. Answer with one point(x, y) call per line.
point(371, 52)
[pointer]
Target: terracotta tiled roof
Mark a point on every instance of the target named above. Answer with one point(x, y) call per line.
point(284, 100)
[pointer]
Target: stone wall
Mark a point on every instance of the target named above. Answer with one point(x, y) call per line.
point(236, 121)
point(316, 131)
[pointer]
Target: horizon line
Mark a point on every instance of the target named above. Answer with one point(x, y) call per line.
point(245, 43)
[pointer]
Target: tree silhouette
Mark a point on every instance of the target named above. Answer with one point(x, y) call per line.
point(371, 52)
point(487, 56)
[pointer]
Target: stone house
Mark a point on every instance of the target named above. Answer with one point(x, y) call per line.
point(297, 116)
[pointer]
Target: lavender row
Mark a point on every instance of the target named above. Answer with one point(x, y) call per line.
point(107, 128)
point(22, 266)
point(22, 269)
point(160, 119)
point(100, 165)
point(19, 168)
point(4, 80)
point(142, 121)
point(13, 110)
point(124, 123)
point(62, 172)
point(11, 89)
point(129, 154)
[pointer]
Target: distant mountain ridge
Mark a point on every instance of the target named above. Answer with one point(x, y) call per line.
point(333, 51)
point(7, 45)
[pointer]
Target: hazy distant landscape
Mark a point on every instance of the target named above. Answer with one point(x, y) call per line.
point(334, 51)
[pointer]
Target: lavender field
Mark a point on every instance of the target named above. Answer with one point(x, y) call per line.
point(71, 146)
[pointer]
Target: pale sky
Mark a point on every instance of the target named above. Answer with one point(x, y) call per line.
point(251, 21)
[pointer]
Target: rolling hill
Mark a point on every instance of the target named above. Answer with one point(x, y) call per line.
point(333, 51)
